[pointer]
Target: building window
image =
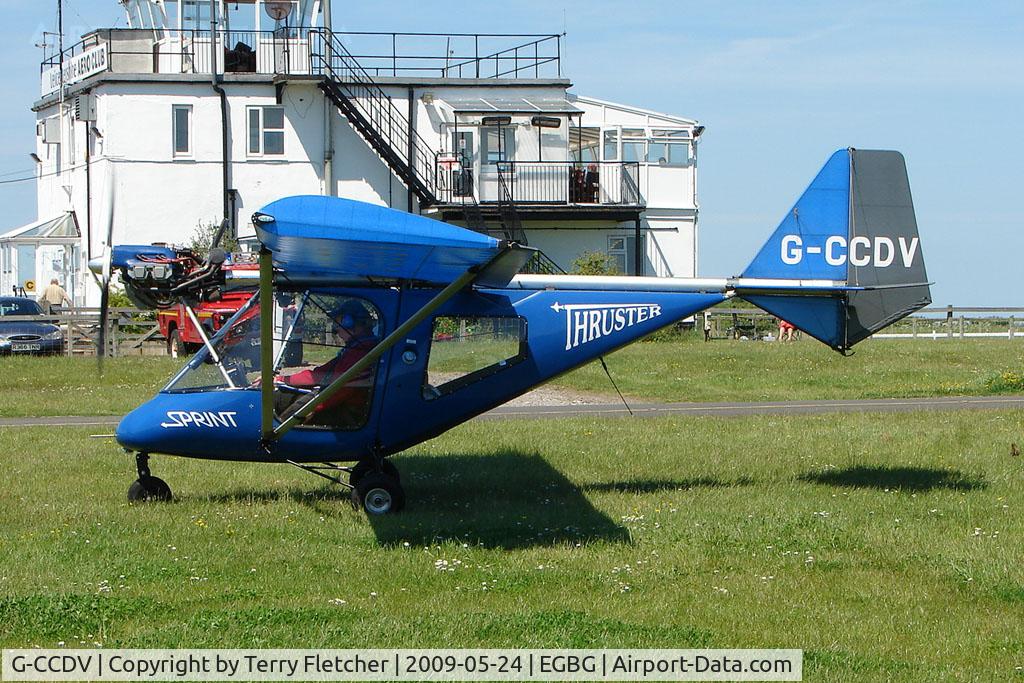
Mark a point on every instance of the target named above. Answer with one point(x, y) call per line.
point(633, 144)
point(498, 143)
point(611, 145)
point(182, 129)
point(619, 252)
point(266, 131)
point(669, 147)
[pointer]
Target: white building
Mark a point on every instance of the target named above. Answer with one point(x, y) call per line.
point(476, 130)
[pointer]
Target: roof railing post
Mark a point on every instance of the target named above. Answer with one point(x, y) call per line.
point(558, 44)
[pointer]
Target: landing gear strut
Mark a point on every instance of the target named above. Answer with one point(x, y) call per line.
point(147, 487)
point(374, 481)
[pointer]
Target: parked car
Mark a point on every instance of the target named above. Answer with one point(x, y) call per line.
point(27, 336)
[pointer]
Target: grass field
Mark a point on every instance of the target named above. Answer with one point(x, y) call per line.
point(684, 369)
point(888, 547)
point(758, 371)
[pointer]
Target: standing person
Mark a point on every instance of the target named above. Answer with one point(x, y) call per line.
point(591, 185)
point(55, 296)
point(707, 326)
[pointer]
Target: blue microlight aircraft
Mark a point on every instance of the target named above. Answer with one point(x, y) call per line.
point(373, 330)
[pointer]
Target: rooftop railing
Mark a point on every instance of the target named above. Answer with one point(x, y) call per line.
point(288, 51)
point(457, 55)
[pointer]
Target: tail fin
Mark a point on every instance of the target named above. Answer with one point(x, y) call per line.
point(846, 260)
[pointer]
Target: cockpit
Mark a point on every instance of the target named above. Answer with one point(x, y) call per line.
point(318, 335)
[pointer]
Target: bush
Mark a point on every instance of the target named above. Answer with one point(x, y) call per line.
point(594, 263)
point(1006, 382)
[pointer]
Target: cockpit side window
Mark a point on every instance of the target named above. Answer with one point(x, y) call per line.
point(464, 350)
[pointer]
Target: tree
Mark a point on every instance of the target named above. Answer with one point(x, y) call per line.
point(202, 238)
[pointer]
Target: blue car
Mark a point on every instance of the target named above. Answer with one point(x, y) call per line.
point(26, 336)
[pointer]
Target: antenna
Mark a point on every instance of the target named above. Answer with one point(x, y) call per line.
point(45, 44)
point(60, 45)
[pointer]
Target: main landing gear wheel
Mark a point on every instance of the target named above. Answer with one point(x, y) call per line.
point(364, 467)
point(150, 488)
point(378, 493)
point(147, 487)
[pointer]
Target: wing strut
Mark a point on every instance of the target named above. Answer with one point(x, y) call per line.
point(266, 343)
point(363, 363)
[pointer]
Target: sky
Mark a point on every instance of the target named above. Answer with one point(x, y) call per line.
point(779, 86)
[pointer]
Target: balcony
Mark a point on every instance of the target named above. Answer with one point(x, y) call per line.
point(543, 188)
point(297, 51)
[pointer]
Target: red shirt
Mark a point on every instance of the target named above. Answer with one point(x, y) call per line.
point(352, 396)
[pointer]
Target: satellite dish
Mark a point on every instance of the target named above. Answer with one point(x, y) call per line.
point(278, 9)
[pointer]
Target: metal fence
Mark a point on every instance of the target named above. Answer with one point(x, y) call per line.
point(559, 183)
point(934, 322)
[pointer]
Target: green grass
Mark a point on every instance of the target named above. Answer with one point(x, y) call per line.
point(690, 370)
point(888, 547)
point(683, 369)
point(55, 385)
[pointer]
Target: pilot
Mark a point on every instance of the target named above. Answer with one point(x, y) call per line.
point(352, 324)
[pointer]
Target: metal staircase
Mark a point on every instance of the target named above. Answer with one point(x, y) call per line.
point(372, 113)
point(510, 221)
point(389, 132)
point(541, 264)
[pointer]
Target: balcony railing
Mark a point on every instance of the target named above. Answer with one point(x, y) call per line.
point(291, 51)
point(552, 183)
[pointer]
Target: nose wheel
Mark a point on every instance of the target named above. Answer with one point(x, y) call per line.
point(147, 487)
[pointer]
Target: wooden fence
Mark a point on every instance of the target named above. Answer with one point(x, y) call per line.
point(130, 332)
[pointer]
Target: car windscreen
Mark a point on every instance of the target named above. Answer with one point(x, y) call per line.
point(15, 307)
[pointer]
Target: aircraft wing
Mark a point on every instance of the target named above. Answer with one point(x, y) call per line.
point(314, 237)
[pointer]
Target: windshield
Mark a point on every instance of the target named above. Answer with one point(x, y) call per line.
point(237, 347)
point(318, 336)
point(19, 307)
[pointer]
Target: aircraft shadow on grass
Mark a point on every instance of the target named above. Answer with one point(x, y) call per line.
point(504, 500)
point(903, 478)
point(639, 486)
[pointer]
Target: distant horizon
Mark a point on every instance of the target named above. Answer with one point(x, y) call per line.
point(779, 88)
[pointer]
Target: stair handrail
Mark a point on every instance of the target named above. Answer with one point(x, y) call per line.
point(421, 163)
point(507, 203)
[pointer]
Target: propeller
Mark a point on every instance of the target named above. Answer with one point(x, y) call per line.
point(101, 269)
